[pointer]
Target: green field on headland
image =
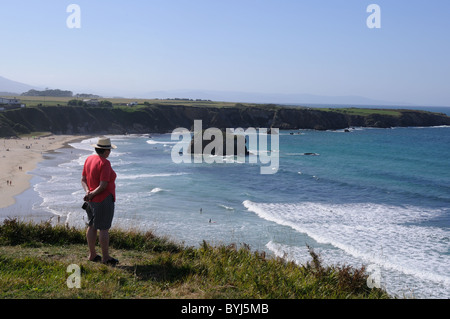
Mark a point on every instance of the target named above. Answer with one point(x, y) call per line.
point(34, 261)
point(364, 111)
point(123, 116)
point(33, 101)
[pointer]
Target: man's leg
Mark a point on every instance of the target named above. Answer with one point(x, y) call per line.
point(91, 236)
point(104, 244)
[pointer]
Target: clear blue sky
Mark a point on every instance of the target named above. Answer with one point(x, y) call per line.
point(321, 47)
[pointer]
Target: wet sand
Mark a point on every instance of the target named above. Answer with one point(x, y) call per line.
point(19, 156)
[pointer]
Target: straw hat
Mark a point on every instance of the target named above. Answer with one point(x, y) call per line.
point(104, 143)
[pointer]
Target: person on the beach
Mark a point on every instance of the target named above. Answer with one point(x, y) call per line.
point(98, 181)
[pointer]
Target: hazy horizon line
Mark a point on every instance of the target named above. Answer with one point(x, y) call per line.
point(229, 96)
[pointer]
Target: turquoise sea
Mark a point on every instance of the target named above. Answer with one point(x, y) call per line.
point(374, 197)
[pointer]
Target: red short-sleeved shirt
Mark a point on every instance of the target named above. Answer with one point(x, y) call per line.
point(97, 169)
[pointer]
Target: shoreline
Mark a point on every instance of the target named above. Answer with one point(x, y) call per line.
point(234, 235)
point(20, 156)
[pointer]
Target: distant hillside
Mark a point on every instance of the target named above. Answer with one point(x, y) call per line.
point(10, 87)
point(157, 118)
point(56, 93)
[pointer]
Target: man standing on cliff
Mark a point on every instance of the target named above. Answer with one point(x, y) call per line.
point(98, 181)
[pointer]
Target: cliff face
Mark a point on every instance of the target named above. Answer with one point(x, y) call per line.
point(165, 118)
point(406, 118)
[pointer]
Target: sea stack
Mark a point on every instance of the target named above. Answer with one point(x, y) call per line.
point(221, 143)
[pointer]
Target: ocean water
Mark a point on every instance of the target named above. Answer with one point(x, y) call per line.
point(373, 197)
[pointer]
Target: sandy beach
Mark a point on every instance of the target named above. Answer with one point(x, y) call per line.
point(19, 156)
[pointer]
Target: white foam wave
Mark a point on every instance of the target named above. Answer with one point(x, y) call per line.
point(388, 236)
point(156, 190)
point(84, 145)
point(226, 207)
point(153, 142)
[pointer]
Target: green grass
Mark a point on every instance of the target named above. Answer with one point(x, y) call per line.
point(34, 260)
point(33, 101)
point(363, 111)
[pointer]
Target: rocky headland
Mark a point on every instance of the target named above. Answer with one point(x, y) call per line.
point(157, 118)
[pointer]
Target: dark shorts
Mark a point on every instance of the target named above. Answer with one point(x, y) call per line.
point(100, 215)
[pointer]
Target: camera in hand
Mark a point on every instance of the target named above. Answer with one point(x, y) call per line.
point(85, 205)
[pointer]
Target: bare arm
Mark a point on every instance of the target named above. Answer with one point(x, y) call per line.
point(84, 184)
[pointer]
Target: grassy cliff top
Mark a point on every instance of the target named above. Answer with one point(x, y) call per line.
point(34, 259)
point(31, 101)
point(364, 111)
